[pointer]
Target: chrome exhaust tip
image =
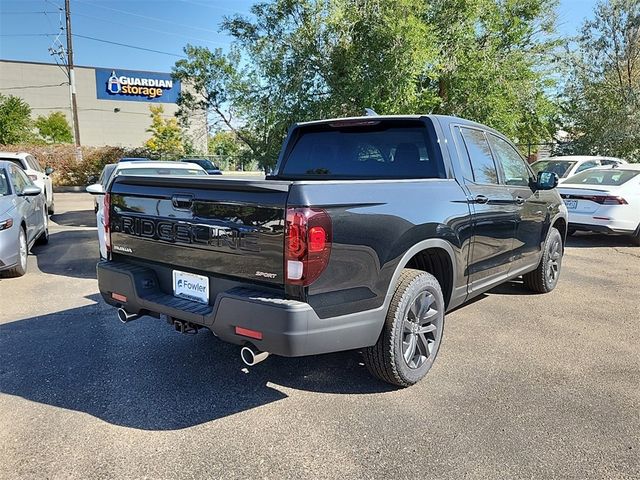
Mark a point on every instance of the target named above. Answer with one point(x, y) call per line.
point(125, 316)
point(251, 356)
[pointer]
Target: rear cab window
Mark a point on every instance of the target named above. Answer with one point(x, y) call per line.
point(364, 149)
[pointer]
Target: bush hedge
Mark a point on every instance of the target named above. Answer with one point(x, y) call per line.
point(67, 170)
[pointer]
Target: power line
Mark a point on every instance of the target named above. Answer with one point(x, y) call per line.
point(147, 28)
point(27, 34)
point(215, 7)
point(155, 19)
point(127, 45)
point(28, 13)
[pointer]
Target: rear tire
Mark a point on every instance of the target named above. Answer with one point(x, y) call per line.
point(545, 278)
point(20, 269)
point(635, 239)
point(412, 332)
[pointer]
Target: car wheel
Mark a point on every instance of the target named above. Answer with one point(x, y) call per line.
point(412, 332)
point(545, 278)
point(636, 237)
point(20, 269)
point(43, 239)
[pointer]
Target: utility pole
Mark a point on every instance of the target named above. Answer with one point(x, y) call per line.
point(72, 80)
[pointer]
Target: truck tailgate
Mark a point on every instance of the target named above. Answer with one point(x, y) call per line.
point(201, 224)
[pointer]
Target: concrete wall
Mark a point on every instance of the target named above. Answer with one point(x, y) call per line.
point(44, 87)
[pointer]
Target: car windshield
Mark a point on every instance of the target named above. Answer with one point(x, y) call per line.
point(4, 184)
point(204, 163)
point(161, 171)
point(559, 167)
point(614, 177)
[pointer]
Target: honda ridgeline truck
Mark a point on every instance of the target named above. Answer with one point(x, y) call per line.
point(366, 233)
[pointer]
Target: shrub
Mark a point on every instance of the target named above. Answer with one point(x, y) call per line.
point(67, 170)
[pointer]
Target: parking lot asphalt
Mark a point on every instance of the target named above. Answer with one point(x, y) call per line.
point(525, 386)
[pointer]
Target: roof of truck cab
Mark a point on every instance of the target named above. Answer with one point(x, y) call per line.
point(442, 119)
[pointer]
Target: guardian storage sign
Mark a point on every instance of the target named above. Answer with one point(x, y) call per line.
point(133, 86)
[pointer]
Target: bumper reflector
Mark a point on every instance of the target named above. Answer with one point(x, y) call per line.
point(245, 332)
point(118, 297)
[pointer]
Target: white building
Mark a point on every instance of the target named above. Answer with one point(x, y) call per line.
point(113, 103)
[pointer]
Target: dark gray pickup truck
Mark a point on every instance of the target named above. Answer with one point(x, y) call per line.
point(368, 231)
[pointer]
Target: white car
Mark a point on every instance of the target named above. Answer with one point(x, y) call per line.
point(568, 166)
point(148, 168)
point(604, 199)
point(39, 176)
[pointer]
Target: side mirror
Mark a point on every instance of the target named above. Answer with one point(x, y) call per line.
point(31, 191)
point(48, 171)
point(91, 179)
point(547, 181)
point(95, 189)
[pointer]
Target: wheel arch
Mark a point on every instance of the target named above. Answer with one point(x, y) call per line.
point(435, 256)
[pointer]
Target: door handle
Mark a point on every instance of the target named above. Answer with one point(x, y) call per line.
point(480, 199)
point(519, 200)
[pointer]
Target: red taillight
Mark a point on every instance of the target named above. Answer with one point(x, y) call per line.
point(308, 244)
point(107, 229)
point(600, 199)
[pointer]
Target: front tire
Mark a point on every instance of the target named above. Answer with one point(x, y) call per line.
point(545, 278)
point(20, 269)
point(412, 332)
point(635, 239)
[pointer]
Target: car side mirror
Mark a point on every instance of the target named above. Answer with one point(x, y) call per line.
point(31, 191)
point(91, 179)
point(547, 181)
point(95, 189)
point(48, 171)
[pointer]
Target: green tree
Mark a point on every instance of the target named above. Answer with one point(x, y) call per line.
point(166, 134)
point(494, 64)
point(602, 96)
point(54, 128)
point(15, 120)
point(296, 60)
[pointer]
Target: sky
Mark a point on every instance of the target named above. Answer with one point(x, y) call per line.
point(106, 31)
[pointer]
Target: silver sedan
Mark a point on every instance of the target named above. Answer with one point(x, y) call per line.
point(23, 219)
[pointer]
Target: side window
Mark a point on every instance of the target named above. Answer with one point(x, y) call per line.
point(514, 168)
point(462, 153)
point(484, 169)
point(18, 179)
point(585, 166)
point(35, 163)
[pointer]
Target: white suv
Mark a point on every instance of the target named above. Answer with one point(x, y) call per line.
point(41, 177)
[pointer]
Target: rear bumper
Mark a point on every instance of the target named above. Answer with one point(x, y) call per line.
point(289, 328)
point(600, 228)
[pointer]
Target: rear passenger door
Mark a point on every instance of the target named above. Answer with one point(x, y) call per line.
point(493, 208)
point(531, 208)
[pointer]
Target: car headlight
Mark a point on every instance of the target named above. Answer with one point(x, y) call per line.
point(4, 224)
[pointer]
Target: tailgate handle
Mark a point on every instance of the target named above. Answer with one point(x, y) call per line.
point(183, 202)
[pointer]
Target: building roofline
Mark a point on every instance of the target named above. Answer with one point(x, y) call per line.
point(78, 66)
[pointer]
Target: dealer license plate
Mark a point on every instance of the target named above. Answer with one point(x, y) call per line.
point(571, 204)
point(191, 286)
